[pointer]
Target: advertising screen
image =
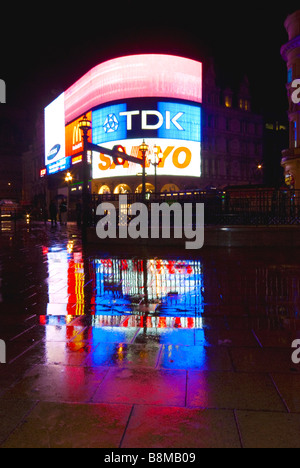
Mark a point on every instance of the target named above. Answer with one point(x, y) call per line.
point(73, 137)
point(149, 96)
point(171, 129)
point(63, 144)
point(55, 150)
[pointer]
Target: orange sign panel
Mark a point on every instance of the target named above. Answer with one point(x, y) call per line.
point(74, 144)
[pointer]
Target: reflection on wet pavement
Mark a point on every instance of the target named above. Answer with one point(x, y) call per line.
point(213, 331)
point(107, 303)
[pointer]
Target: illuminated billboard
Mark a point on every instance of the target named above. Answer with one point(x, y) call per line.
point(73, 138)
point(174, 128)
point(63, 144)
point(153, 97)
point(55, 150)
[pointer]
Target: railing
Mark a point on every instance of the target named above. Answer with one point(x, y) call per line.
point(233, 207)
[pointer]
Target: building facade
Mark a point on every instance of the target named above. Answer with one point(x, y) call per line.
point(291, 54)
point(232, 144)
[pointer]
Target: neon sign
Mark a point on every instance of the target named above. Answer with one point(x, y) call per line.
point(74, 144)
point(174, 128)
point(169, 120)
point(172, 87)
point(58, 166)
point(136, 76)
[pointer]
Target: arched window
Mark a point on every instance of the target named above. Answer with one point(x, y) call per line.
point(149, 188)
point(170, 188)
point(122, 188)
point(104, 189)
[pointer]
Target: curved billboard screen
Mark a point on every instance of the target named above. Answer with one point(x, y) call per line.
point(153, 97)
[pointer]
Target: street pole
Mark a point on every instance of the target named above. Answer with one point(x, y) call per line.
point(144, 148)
point(144, 177)
point(68, 179)
point(155, 164)
point(85, 126)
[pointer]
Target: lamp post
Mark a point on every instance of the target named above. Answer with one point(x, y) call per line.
point(68, 180)
point(85, 126)
point(68, 177)
point(155, 164)
point(143, 149)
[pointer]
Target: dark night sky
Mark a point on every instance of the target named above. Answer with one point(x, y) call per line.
point(45, 49)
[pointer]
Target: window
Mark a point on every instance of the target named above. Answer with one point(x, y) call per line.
point(228, 101)
point(244, 104)
point(103, 190)
point(290, 75)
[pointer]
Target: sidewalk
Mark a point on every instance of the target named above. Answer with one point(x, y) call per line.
point(81, 375)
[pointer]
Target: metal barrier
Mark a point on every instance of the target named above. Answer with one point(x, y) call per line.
point(233, 207)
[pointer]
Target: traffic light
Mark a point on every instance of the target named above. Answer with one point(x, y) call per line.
point(117, 159)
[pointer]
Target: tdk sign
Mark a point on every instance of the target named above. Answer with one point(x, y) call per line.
point(147, 119)
point(156, 115)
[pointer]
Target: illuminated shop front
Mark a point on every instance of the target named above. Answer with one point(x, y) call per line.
point(156, 98)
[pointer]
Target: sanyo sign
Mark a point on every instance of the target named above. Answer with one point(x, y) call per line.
point(2, 92)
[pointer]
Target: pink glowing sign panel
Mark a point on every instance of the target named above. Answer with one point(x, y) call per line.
point(135, 76)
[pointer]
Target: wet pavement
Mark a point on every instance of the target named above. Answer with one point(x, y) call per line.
point(146, 349)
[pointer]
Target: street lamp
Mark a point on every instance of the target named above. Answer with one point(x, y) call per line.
point(68, 177)
point(68, 180)
point(85, 126)
point(143, 149)
point(155, 164)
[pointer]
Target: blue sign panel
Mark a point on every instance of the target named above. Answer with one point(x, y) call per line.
point(181, 121)
point(148, 118)
point(108, 124)
point(60, 165)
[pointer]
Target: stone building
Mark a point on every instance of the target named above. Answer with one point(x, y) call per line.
point(232, 144)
